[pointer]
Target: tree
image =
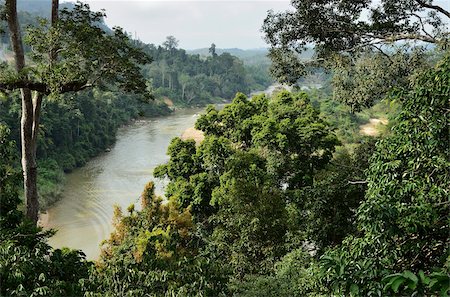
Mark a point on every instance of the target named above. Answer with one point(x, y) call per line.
point(239, 181)
point(337, 192)
point(69, 54)
point(171, 43)
point(154, 252)
point(287, 130)
point(348, 30)
point(184, 80)
point(212, 50)
point(403, 222)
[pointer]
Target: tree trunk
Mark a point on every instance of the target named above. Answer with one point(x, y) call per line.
point(55, 7)
point(14, 32)
point(54, 20)
point(29, 124)
point(29, 165)
point(31, 106)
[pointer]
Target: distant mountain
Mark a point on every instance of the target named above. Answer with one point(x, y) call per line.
point(41, 8)
point(233, 51)
point(30, 10)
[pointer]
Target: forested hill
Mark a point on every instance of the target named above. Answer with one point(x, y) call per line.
point(40, 8)
point(248, 56)
point(196, 80)
point(30, 10)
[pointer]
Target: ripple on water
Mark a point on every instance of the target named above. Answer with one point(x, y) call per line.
point(84, 215)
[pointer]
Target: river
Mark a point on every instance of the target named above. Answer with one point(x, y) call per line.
point(84, 214)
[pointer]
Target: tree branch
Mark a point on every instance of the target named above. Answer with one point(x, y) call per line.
point(435, 7)
point(421, 24)
point(357, 182)
point(73, 86)
point(403, 36)
point(53, 55)
point(20, 84)
point(14, 32)
point(382, 52)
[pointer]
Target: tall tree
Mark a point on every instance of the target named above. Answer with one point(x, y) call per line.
point(68, 55)
point(212, 50)
point(171, 43)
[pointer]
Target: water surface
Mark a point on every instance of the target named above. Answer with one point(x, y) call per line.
point(84, 214)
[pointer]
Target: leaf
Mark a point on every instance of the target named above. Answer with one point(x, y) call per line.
point(397, 283)
point(354, 290)
point(409, 275)
point(424, 279)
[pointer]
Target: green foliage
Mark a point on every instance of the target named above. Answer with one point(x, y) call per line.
point(87, 55)
point(154, 252)
point(404, 219)
point(346, 25)
point(239, 180)
point(287, 130)
point(361, 80)
point(337, 192)
point(251, 218)
point(9, 181)
point(28, 265)
point(295, 275)
point(417, 285)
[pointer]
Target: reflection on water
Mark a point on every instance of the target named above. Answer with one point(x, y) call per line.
point(83, 216)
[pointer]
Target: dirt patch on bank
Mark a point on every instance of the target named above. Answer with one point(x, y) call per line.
point(168, 101)
point(372, 128)
point(192, 133)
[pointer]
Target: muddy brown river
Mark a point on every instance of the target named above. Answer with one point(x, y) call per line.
point(83, 216)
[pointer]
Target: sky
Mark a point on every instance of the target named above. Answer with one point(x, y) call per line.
point(196, 24)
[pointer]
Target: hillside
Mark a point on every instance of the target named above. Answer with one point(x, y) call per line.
point(249, 56)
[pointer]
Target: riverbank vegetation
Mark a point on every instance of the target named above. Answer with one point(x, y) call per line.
point(282, 197)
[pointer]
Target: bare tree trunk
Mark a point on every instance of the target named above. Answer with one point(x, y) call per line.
point(55, 7)
point(29, 124)
point(14, 31)
point(29, 165)
point(54, 20)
